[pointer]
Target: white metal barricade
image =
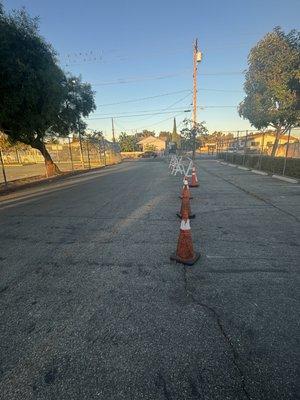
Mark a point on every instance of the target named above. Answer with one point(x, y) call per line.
point(181, 165)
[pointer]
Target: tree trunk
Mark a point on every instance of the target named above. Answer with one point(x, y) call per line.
point(51, 167)
point(275, 144)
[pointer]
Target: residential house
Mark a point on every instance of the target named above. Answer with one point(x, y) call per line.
point(264, 141)
point(152, 143)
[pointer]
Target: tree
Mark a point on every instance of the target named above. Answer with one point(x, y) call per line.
point(145, 133)
point(164, 135)
point(37, 99)
point(193, 134)
point(175, 137)
point(272, 83)
point(128, 142)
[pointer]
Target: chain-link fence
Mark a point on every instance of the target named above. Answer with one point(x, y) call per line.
point(22, 162)
point(256, 150)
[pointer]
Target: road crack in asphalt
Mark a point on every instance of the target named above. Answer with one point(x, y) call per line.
point(163, 385)
point(255, 195)
point(217, 318)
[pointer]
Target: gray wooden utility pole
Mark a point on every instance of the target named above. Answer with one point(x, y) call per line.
point(113, 130)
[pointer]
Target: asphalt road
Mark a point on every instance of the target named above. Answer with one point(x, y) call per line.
point(92, 308)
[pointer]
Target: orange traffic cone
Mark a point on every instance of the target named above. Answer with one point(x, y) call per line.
point(194, 181)
point(185, 189)
point(185, 208)
point(185, 252)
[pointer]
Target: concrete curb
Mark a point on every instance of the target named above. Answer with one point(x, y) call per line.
point(255, 171)
point(284, 178)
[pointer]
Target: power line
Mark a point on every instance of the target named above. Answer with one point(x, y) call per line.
point(222, 73)
point(169, 107)
point(163, 109)
point(167, 119)
point(221, 90)
point(166, 108)
point(176, 102)
point(138, 111)
point(143, 98)
point(139, 115)
point(155, 112)
point(204, 107)
point(150, 111)
point(122, 81)
point(167, 94)
point(141, 79)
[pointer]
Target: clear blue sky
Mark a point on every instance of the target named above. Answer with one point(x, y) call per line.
point(105, 41)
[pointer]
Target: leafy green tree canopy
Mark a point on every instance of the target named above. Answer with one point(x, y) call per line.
point(272, 82)
point(128, 142)
point(37, 98)
point(165, 135)
point(145, 133)
point(193, 134)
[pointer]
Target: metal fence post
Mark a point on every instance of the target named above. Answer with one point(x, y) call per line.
point(244, 156)
point(286, 152)
point(70, 151)
point(226, 150)
point(18, 158)
point(3, 169)
point(104, 150)
point(57, 155)
point(261, 151)
point(99, 152)
point(81, 152)
point(88, 152)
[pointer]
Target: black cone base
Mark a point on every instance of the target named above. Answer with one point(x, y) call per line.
point(192, 261)
point(191, 216)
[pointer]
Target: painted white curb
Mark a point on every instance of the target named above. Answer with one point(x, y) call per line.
point(232, 165)
point(255, 171)
point(244, 168)
point(284, 178)
point(223, 163)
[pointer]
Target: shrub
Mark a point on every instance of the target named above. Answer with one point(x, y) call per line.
point(273, 165)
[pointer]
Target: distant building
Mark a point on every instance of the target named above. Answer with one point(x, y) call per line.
point(152, 143)
point(255, 142)
point(260, 140)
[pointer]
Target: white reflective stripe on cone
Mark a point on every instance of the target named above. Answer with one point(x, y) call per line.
point(185, 225)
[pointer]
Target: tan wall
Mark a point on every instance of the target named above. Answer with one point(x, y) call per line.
point(158, 146)
point(130, 154)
